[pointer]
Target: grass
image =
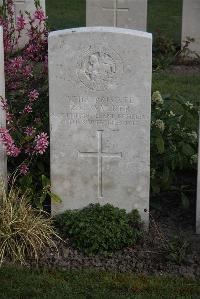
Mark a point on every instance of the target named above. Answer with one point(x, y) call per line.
point(165, 16)
point(79, 284)
point(162, 16)
point(176, 84)
point(64, 14)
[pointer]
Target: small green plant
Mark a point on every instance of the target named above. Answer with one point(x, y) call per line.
point(100, 229)
point(164, 52)
point(176, 248)
point(186, 55)
point(24, 231)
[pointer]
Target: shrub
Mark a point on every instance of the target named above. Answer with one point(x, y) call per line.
point(24, 231)
point(173, 140)
point(100, 229)
point(164, 52)
point(26, 105)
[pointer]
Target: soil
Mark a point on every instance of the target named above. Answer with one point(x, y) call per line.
point(149, 256)
point(184, 69)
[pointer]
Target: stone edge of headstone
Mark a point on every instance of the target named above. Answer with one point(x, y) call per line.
point(100, 29)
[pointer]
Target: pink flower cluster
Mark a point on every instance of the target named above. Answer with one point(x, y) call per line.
point(40, 15)
point(33, 95)
point(11, 149)
point(25, 70)
point(41, 143)
point(21, 23)
point(23, 169)
point(29, 131)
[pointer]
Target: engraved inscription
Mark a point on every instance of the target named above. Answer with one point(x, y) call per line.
point(99, 155)
point(99, 68)
point(102, 111)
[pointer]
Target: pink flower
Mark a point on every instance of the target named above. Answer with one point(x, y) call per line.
point(23, 169)
point(20, 22)
point(16, 62)
point(39, 15)
point(4, 104)
point(29, 131)
point(9, 117)
point(28, 109)
point(41, 143)
point(31, 48)
point(27, 71)
point(33, 95)
point(11, 149)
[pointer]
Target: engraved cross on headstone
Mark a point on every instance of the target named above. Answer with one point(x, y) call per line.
point(100, 155)
point(116, 11)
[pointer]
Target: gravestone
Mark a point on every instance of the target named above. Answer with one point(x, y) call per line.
point(2, 114)
point(191, 24)
point(198, 189)
point(117, 13)
point(23, 6)
point(100, 106)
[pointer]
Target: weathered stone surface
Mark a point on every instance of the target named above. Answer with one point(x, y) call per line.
point(100, 101)
point(191, 24)
point(117, 13)
point(3, 166)
point(23, 6)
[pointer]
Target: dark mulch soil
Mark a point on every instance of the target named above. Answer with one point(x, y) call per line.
point(149, 255)
point(184, 69)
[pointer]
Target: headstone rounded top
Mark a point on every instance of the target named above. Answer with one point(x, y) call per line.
point(100, 29)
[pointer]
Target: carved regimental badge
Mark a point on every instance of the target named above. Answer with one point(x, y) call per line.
point(100, 68)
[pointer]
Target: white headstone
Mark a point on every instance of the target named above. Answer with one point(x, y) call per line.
point(117, 13)
point(191, 23)
point(3, 166)
point(198, 190)
point(100, 107)
point(23, 6)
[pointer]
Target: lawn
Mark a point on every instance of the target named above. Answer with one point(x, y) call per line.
point(162, 17)
point(79, 284)
point(176, 84)
point(66, 13)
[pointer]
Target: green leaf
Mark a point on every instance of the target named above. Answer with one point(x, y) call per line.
point(187, 149)
point(45, 181)
point(54, 197)
point(185, 201)
point(160, 144)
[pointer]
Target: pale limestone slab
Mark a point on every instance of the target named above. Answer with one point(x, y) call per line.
point(23, 6)
point(100, 107)
point(3, 164)
point(191, 23)
point(117, 13)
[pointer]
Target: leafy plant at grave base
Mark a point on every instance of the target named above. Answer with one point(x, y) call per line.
point(164, 52)
point(26, 103)
point(173, 141)
point(176, 249)
point(24, 231)
point(100, 229)
point(186, 55)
